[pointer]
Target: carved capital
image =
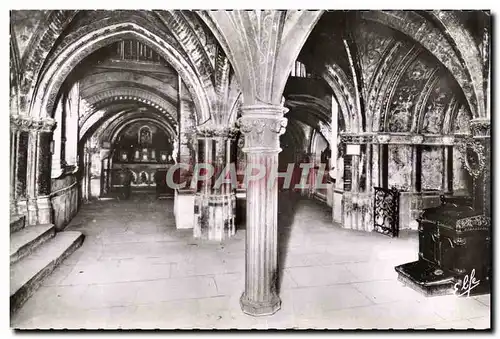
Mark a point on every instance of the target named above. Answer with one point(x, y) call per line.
point(480, 128)
point(216, 132)
point(383, 138)
point(27, 123)
point(417, 139)
point(356, 139)
point(448, 140)
point(262, 125)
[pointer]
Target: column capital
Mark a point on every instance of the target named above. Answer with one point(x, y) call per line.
point(32, 124)
point(480, 127)
point(212, 131)
point(262, 125)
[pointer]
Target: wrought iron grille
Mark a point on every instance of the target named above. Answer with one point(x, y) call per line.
point(386, 211)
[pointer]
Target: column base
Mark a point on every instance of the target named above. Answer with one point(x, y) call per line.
point(44, 206)
point(260, 309)
point(22, 206)
point(13, 207)
point(32, 209)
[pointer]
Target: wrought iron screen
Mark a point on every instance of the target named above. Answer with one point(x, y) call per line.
point(386, 211)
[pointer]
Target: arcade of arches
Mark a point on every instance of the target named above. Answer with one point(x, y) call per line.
point(379, 98)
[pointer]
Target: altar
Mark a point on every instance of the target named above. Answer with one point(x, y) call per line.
point(147, 154)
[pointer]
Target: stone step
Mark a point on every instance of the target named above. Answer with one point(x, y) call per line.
point(27, 275)
point(17, 223)
point(26, 240)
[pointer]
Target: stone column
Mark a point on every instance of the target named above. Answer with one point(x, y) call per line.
point(482, 184)
point(38, 162)
point(12, 181)
point(416, 202)
point(215, 204)
point(383, 141)
point(87, 158)
point(262, 125)
point(416, 180)
point(448, 165)
point(58, 161)
point(20, 131)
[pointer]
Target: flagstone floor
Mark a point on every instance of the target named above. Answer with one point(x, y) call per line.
point(135, 270)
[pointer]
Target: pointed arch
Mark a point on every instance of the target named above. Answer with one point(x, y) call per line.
point(51, 80)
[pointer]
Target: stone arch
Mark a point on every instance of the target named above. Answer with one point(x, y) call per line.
point(40, 45)
point(389, 86)
point(123, 122)
point(182, 28)
point(116, 113)
point(343, 90)
point(290, 30)
point(418, 116)
point(49, 84)
point(381, 84)
point(14, 77)
point(316, 133)
point(424, 32)
point(466, 49)
point(130, 94)
point(100, 81)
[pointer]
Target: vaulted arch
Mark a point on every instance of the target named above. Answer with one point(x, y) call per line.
point(122, 122)
point(433, 38)
point(14, 77)
point(138, 95)
point(55, 74)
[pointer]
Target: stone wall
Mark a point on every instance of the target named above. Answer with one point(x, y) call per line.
point(64, 198)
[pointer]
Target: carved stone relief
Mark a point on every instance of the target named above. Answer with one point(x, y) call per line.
point(435, 108)
point(473, 157)
point(400, 167)
point(432, 168)
point(404, 99)
point(371, 46)
point(26, 123)
point(461, 124)
point(460, 175)
point(25, 23)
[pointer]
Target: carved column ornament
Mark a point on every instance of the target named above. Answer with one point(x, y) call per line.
point(480, 128)
point(356, 139)
point(448, 140)
point(262, 125)
point(383, 138)
point(473, 157)
point(417, 139)
point(216, 132)
point(27, 123)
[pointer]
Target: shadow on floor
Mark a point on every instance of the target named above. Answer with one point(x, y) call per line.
point(287, 208)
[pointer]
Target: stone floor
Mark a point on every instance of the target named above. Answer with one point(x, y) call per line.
point(135, 270)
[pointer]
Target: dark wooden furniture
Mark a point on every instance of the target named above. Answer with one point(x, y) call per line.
point(454, 240)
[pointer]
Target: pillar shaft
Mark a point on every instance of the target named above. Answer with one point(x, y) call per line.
point(215, 203)
point(261, 126)
point(447, 169)
point(482, 184)
point(13, 154)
